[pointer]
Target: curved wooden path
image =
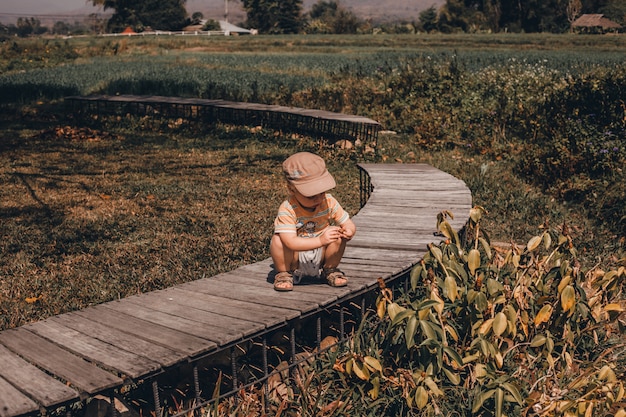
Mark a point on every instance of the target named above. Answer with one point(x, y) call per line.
point(74, 356)
point(331, 126)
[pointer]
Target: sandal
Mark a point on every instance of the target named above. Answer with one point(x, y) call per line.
point(335, 277)
point(283, 281)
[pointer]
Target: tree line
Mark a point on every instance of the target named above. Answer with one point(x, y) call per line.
point(331, 17)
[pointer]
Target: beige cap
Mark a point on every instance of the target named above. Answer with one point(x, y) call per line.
point(308, 174)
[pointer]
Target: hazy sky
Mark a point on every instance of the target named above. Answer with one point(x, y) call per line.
point(43, 7)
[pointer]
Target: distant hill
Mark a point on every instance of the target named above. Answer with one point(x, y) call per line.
point(378, 11)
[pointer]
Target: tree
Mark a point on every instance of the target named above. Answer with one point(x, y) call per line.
point(428, 19)
point(29, 26)
point(331, 17)
point(274, 16)
point(139, 14)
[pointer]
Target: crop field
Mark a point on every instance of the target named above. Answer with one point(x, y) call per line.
point(93, 209)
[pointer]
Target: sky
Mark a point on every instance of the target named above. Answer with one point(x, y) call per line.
point(43, 7)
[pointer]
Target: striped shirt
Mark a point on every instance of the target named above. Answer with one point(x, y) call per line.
point(292, 218)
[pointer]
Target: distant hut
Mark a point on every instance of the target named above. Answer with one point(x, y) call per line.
point(595, 23)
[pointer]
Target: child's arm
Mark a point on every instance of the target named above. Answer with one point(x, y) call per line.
point(348, 229)
point(299, 244)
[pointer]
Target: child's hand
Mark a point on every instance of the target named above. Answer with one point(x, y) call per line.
point(346, 233)
point(330, 235)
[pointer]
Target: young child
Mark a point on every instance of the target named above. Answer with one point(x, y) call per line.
point(311, 228)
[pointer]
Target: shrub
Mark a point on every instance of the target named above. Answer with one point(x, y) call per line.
point(494, 331)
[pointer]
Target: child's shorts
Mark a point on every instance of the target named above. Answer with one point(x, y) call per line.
point(309, 264)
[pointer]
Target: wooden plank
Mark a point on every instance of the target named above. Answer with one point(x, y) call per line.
point(192, 321)
point(94, 350)
point(58, 361)
point(13, 402)
point(184, 343)
point(226, 308)
point(120, 340)
point(29, 379)
point(262, 293)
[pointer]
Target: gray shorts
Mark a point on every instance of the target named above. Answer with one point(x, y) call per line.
point(309, 264)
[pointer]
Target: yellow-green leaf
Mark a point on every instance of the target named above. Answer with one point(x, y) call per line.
point(453, 377)
point(436, 252)
point(409, 331)
point(394, 309)
point(473, 260)
point(432, 385)
point(568, 298)
point(421, 397)
point(607, 374)
point(499, 323)
point(450, 287)
point(538, 340)
point(439, 306)
point(533, 243)
point(476, 213)
point(373, 393)
point(543, 315)
point(361, 371)
point(481, 398)
point(373, 364)
point(486, 247)
point(547, 240)
point(486, 326)
point(499, 401)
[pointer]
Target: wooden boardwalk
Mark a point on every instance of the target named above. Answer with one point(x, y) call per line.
point(331, 126)
point(74, 356)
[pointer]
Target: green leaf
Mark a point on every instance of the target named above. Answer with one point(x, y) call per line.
point(499, 401)
point(476, 213)
point(538, 340)
point(568, 298)
point(499, 323)
point(373, 364)
point(394, 309)
point(402, 315)
point(547, 240)
point(432, 385)
point(514, 392)
point(421, 397)
point(486, 247)
point(436, 253)
point(533, 243)
point(428, 330)
point(454, 355)
point(473, 260)
point(453, 377)
point(409, 332)
point(361, 371)
point(416, 273)
point(426, 304)
point(450, 288)
point(481, 398)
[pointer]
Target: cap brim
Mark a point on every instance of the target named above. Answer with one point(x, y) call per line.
point(319, 185)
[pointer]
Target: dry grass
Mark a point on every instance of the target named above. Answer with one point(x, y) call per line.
point(92, 215)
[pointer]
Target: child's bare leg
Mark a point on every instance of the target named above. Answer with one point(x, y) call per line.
point(285, 260)
point(332, 257)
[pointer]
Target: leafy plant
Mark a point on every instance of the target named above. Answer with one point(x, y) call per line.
point(497, 331)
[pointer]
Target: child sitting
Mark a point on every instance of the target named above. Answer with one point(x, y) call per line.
point(311, 228)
